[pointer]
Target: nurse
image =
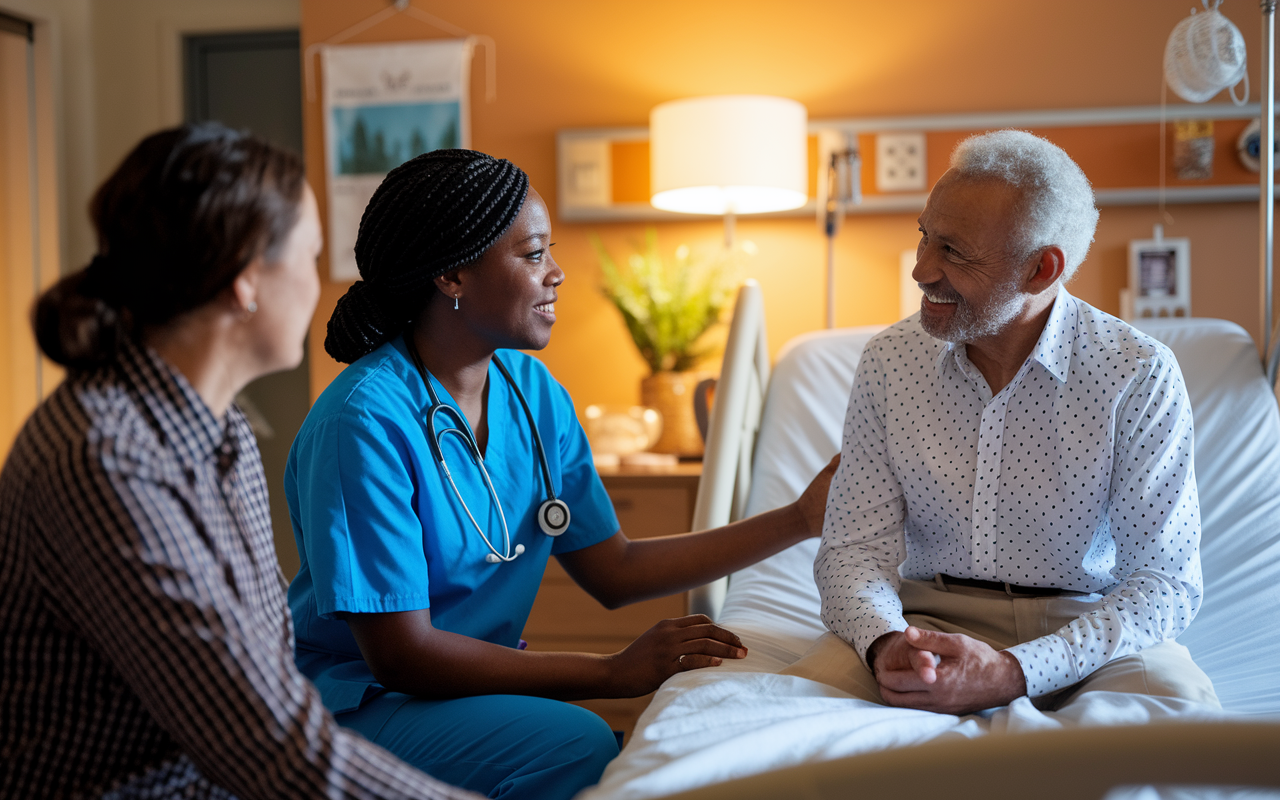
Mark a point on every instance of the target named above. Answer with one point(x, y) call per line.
point(435, 477)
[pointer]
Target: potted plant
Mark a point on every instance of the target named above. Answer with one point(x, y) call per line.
point(667, 307)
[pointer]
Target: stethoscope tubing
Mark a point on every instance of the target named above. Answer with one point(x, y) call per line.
point(505, 555)
point(537, 436)
point(462, 429)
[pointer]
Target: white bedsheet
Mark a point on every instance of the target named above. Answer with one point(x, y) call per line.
point(704, 728)
point(741, 719)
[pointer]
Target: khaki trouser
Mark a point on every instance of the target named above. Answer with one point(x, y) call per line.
point(1001, 620)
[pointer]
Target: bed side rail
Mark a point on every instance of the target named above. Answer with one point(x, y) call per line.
point(731, 434)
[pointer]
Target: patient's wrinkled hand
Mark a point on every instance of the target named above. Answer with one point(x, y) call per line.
point(813, 503)
point(671, 646)
point(945, 672)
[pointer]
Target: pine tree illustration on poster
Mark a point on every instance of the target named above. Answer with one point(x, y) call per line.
point(373, 140)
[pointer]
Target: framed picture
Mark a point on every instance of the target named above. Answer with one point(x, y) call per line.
point(1160, 277)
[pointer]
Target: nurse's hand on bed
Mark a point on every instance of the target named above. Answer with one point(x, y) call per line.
point(671, 646)
point(945, 672)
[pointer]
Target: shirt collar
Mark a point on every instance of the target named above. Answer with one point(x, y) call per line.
point(1052, 350)
point(183, 419)
point(1057, 340)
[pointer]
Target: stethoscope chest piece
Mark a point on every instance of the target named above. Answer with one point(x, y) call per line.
point(553, 514)
point(553, 517)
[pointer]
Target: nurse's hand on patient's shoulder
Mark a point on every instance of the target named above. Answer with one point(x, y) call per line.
point(671, 646)
point(813, 502)
point(945, 672)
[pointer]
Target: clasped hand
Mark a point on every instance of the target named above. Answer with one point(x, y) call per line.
point(945, 672)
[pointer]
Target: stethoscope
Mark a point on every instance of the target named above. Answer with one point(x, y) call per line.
point(553, 514)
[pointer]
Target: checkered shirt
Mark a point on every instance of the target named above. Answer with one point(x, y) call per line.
point(146, 647)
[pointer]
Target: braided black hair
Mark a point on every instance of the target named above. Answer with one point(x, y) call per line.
point(432, 214)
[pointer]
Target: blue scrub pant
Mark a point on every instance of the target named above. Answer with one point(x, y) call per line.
point(506, 746)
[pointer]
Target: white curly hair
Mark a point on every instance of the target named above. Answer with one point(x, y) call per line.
point(1057, 205)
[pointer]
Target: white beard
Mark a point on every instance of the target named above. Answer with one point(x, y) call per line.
point(970, 323)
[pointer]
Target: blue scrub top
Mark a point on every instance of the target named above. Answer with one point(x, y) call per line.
point(379, 529)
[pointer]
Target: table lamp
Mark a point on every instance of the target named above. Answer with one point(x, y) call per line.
point(729, 155)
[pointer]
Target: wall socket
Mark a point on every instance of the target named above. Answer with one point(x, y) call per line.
point(900, 163)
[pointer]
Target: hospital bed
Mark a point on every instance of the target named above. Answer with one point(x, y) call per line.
point(744, 731)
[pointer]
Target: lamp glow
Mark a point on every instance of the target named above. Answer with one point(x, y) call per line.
point(729, 154)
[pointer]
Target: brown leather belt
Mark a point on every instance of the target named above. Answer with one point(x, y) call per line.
point(1010, 589)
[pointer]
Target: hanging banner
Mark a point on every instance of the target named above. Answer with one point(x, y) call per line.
point(383, 105)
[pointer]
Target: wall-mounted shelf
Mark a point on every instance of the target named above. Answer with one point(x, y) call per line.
point(603, 173)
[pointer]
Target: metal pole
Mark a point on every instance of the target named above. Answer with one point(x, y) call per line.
point(1267, 179)
point(831, 223)
point(843, 182)
point(831, 280)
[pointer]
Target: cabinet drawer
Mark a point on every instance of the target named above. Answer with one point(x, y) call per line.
point(645, 512)
point(564, 610)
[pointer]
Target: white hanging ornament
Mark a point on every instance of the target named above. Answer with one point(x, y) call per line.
point(1204, 55)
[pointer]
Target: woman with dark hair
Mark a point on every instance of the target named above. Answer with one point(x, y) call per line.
point(437, 474)
point(147, 647)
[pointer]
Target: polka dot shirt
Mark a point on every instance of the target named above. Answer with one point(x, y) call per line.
point(1077, 475)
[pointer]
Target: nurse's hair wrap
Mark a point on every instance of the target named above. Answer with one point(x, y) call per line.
point(432, 214)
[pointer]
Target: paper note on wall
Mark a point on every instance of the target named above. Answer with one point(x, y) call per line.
point(383, 105)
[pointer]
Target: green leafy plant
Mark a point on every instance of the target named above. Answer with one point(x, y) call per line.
point(667, 307)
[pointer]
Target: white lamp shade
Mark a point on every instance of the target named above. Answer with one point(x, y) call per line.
point(740, 154)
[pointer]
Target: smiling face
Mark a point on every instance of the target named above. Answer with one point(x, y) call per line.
point(972, 289)
point(508, 296)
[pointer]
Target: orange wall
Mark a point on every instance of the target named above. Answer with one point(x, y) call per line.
point(574, 63)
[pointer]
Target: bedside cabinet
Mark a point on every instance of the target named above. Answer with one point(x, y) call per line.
point(650, 501)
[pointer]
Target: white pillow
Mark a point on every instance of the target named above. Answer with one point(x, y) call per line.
point(1236, 636)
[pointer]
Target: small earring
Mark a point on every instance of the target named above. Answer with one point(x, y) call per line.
point(252, 307)
point(455, 302)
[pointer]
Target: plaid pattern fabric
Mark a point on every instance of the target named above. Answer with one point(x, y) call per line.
point(145, 644)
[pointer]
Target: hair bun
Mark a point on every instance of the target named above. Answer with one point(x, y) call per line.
point(75, 326)
point(186, 212)
point(362, 321)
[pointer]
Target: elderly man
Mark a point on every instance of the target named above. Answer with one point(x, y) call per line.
point(1015, 511)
